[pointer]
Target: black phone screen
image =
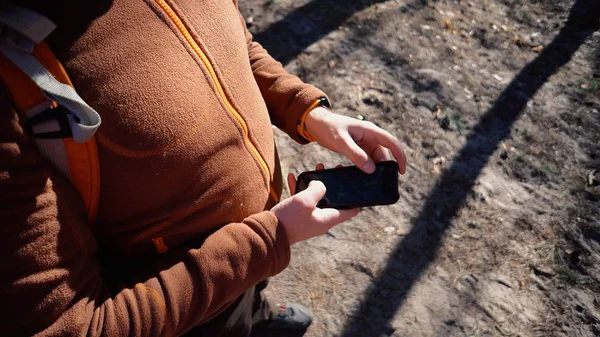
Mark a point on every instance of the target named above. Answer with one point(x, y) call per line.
point(349, 187)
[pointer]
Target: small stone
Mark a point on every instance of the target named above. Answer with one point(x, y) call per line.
point(439, 160)
point(250, 22)
point(361, 117)
point(332, 63)
point(592, 179)
point(389, 230)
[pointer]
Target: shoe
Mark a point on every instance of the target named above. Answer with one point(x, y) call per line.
point(291, 319)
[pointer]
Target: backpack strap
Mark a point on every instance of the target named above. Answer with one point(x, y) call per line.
point(59, 121)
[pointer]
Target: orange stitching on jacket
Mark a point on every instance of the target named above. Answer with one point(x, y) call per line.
point(200, 53)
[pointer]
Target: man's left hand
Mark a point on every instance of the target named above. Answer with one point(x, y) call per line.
point(362, 142)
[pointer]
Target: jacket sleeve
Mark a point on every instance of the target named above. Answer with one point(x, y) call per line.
point(287, 97)
point(53, 284)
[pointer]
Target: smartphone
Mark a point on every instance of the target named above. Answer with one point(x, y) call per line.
point(349, 187)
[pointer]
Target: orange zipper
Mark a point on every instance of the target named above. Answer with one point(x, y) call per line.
point(194, 45)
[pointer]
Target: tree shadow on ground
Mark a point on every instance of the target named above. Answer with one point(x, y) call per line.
point(287, 38)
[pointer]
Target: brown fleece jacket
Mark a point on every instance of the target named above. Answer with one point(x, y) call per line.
point(187, 154)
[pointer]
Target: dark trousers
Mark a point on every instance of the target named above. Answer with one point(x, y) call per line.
point(251, 309)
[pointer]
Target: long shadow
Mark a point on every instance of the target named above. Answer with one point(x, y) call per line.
point(416, 252)
point(287, 38)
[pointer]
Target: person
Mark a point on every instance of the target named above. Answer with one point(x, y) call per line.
point(189, 224)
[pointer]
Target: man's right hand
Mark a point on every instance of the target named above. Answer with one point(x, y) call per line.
point(302, 219)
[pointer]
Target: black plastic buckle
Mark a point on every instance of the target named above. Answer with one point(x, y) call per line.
point(58, 114)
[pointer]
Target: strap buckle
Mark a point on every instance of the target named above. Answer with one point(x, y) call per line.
point(59, 115)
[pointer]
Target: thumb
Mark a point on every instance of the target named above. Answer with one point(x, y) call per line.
point(333, 216)
point(358, 156)
point(312, 194)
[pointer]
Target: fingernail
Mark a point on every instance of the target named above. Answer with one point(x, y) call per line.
point(322, 187)
point(370, 166)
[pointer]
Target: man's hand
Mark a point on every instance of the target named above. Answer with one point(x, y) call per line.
point(362, 142)
point(300, 216)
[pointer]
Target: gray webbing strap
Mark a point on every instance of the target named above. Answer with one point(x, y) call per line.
point(31, 27)
point(30, 24)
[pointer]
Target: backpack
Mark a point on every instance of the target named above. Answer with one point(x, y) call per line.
point(55, 116)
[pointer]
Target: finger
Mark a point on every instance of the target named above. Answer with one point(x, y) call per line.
point(291, 180)
point(332, 216)
point(312, 194)
point(357, 155)
point(320, 167)
point(381, 154)
point(386, 139)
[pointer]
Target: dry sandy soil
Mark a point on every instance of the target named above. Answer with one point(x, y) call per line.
point(497, 231)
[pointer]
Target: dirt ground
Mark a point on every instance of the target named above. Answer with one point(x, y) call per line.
point(497, 231)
